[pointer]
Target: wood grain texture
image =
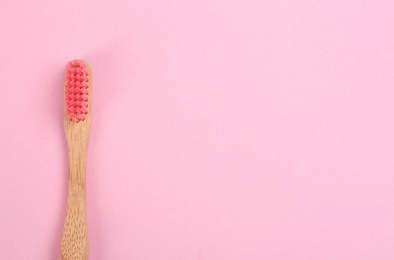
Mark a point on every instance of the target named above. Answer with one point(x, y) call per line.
point(74, 244)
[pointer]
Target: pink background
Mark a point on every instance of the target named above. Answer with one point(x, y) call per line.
point(221, 129)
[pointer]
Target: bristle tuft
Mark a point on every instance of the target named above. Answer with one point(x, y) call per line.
point(76, 93)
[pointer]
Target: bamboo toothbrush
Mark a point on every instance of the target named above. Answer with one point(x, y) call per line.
point(77, 121)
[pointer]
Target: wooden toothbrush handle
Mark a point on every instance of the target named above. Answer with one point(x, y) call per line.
point(74, 245)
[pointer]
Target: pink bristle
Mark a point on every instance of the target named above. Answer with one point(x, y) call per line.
point(76, 93)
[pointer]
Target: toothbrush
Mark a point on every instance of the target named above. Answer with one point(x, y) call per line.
point(77, 121)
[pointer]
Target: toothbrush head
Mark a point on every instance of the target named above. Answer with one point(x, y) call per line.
point(76, 90)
